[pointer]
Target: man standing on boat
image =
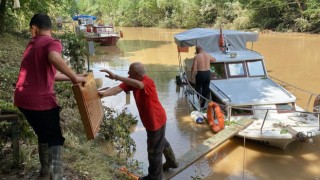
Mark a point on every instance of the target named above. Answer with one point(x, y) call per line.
point(201, 73)
point(152, 114)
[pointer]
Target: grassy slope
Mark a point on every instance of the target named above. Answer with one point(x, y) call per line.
point(82, 159)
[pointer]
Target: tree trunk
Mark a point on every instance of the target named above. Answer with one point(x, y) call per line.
point(300, 7)
point(2, 15)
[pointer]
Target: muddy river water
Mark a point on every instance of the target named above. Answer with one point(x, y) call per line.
point(294, 58)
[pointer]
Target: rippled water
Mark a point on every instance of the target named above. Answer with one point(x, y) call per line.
point(294, 58)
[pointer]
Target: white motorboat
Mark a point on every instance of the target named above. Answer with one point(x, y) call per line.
point(241, 86)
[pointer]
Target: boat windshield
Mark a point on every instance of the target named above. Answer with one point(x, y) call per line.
point(249, 68)
point(84, 21)
point(236, 69)
point(217, 71)
point(255, 68)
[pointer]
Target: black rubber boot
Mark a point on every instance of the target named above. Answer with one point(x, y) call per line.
point(170, 159)
point(44, 160)
point(56, 169)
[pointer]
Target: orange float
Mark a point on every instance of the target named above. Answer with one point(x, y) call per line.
point(218, 114)
point(222, 45)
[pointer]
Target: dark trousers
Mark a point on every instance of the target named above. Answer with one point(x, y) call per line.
point(202, 84)
point(156, 143)
point(46, 124)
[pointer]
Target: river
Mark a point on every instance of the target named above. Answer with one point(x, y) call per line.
point(294, 58)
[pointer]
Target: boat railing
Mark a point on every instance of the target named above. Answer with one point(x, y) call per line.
point(317, 113)
point(302, 112)
point(296, 90)
point(191, 90)
point(220, 91)
point(283, 90)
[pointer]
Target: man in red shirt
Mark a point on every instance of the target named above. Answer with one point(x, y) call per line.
point(152, 114)
point(34, 94)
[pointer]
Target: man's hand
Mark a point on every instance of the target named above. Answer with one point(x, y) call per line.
point(79, 79)
point(110, 74)
point(109, 91)
point(101, 94)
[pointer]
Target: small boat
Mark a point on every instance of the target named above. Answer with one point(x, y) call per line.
point(105, 35)
point(242, 88)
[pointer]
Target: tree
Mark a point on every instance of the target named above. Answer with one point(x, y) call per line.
point(11, 18)
point(2, 14)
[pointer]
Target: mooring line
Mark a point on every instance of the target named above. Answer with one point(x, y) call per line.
point(244, 156)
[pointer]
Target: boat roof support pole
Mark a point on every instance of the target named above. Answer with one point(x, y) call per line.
point(265, 117)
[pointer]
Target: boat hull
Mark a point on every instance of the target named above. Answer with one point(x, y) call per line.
point(104, 41)
point(279, 143)
point(109, 41)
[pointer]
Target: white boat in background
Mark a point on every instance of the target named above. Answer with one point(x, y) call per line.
point(241, 86)
point(105, 35)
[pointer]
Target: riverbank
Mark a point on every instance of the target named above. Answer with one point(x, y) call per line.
point(82, 159)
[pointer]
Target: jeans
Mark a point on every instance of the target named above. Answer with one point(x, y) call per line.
point(156, 142)
point(46, 124)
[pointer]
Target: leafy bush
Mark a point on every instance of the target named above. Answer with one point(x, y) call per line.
point(301, 24)
point(75, 50)
point(116, 127)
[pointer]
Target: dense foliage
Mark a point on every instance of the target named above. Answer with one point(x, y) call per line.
point(278, 15)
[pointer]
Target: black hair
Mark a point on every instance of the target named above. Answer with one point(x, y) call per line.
point(42, 21)
point(198, 49)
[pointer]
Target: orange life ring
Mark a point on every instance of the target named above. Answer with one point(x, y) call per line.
point(218, 114)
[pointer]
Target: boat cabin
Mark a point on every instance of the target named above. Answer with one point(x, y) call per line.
point(103, 29)
point(83, 21)
point(240, 85)
point(239, 76)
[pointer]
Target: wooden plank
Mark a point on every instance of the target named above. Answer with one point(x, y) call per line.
point(8, 117)
point(208, 145)
point(297, 135)
point(89, 105)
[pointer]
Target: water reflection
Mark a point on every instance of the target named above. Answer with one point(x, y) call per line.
point(294, 59)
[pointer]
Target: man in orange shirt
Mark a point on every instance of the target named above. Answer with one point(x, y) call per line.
point(152, 114)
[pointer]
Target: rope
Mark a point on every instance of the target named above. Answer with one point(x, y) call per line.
point(196, 91)
point(244, 156)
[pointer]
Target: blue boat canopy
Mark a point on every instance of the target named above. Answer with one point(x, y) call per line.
point(209, 39)
point(82, 16)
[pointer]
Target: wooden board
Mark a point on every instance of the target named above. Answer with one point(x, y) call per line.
point(90, 106)
point(208, 145)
